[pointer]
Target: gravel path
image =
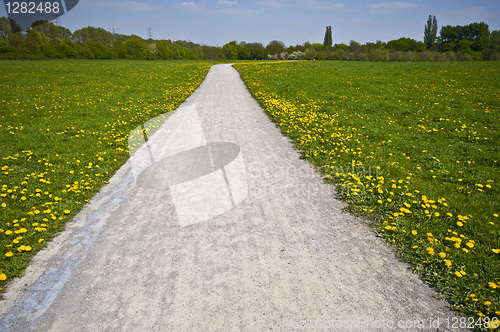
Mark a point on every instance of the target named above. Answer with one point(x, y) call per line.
point(283, 257)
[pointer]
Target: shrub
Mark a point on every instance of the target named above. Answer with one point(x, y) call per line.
point(378, 54)
point(425, 56)
point(495, 56)
point(464, 57)
point(339, 54)
point(451, 56)
point(297, 55)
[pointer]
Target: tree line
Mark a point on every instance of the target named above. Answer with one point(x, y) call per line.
point(471, 42)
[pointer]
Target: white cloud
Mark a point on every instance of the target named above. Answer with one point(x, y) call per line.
point(386, 7)
point(318, 4)
point(239, 12)
point(191, 6)
point(227, 3)
point(272, 3)
point(309, 4)
point(476, 13)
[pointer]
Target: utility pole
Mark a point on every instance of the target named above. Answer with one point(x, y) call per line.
point(57, 20)
point(150, 33)
point(113, 28)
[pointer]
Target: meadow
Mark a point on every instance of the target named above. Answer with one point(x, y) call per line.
point(415, 149)
point(64, 127)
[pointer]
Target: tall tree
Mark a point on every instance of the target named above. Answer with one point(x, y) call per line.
point(328, 37)
point(434, 31)
point(430, 32)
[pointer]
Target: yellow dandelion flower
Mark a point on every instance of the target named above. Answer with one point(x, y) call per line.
point(447, 262)
point(458, 274)
point(9, 254)
point(3, 276)
point(487, 303)
point(442, 254)
point(414, 232)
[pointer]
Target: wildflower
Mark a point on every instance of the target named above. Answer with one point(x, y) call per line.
point(3, 276)
point(414, 232)
point(9, 254)
point(460, 224)
point(492, 285)
point(447, 262)
point(487, 303)
point(442, 254)
point(66, 211)
point(458, 274)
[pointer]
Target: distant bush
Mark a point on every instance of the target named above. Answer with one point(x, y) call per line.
point(136, 49)
point(451, 56)
point(395, 56)
point(339, 54)
point(425, 56)
point(310, 53)
point(495, 56)
point(378, 54)
point(464, 57)
point(163, 51)
point(439, 57)
point(297, 55)
point(4, 46)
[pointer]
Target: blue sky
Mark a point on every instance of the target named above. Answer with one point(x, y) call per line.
point(216, 22)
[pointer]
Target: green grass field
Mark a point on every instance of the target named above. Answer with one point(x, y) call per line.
point(414, 147)
point(64, 127)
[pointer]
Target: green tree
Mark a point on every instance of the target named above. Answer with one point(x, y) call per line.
point(328, 41)
point(4, 46)
point(119, 48)
point(275, 47)
point(464, 46)
point(137, 49)
point(5, 28)
point(179, 51)
point(230, 51)
point(163, 50)
point(405, 44)
point(245, 53)
point(430, 32)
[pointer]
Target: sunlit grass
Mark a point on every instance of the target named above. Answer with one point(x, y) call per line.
point(64, 128)
point(415, 147)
